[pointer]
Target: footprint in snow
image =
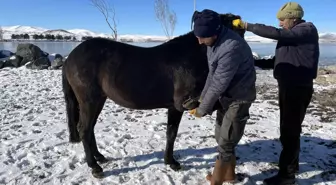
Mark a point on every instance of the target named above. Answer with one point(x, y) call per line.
point(61, 135)
point(36, 124)
point(126, 136)
point(124, 178)
point(15, 127)
point(36, 131)
point(107, 129)
point(22, 164)
point(130, 119)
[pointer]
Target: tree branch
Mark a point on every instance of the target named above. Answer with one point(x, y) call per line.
point(166, 17)
point(1, 33)
point(106, 9)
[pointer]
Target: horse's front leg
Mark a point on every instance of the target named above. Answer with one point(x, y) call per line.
point(85, 128)
point(174, 118)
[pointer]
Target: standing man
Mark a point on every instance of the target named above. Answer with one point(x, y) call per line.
point(231, 80)
point(296, 60)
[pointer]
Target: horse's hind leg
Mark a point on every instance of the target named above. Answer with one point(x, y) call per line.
point(174, 118)
point(99, 157)
point(89, 107)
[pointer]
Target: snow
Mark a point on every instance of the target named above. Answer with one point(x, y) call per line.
point(35, 149)
point(256, 38)
point(23, 29)
point(79, 33)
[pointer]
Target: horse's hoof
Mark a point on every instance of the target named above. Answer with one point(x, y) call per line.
point(102, 159)
point(98, 173)
point(175, 166)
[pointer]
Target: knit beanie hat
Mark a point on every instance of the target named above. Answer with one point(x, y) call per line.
point(290, 10)
point(206, 23)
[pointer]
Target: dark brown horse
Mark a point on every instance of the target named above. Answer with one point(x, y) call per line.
point(134, 77)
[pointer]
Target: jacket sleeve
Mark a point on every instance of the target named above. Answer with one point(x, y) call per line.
point(228, 63)
point(271, 32)
point(206, 86)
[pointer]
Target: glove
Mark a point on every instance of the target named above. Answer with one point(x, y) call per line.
point(238, 23)
point(195, 113)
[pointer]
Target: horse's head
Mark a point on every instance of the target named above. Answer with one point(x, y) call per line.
point(227, 19)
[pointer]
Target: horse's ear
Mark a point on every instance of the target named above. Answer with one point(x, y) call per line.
point(195, 14)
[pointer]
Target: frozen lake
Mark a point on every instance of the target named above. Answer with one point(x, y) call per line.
point(327, 55)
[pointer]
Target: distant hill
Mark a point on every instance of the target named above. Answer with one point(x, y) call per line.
point(80, 33)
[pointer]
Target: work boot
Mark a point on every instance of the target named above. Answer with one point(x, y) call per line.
point(223, 172)
point(230, 174)
point(279, 180)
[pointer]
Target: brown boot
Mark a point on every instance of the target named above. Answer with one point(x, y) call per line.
point(216, 178)
point(230, 175)
point(223, 172)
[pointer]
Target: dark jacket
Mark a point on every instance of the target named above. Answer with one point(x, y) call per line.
point(297, 51)
point(232, 75)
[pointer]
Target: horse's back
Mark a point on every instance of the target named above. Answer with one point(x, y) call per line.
point(127, 74)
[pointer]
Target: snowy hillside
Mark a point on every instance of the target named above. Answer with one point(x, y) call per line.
point(79, 33)
point(59, 32)
point(23, 29)
point(331, 37)
point(35, 148)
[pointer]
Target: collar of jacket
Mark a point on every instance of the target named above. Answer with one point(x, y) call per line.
point(219, 38)
point(299, 22)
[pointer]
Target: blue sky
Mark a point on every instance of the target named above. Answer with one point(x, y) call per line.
point(138, 17)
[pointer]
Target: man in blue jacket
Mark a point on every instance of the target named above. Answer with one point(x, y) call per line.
point(231, 80)
point(296, 61)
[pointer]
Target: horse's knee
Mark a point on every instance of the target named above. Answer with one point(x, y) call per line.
point(81, 130)
point(84, 131)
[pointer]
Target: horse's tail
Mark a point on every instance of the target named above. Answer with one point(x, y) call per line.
point(72, 109)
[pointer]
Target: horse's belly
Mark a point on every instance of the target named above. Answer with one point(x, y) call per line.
point(140, 94)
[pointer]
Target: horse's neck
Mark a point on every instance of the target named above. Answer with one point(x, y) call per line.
point(180, 47)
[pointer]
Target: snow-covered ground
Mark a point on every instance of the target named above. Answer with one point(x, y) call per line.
point(34, 146)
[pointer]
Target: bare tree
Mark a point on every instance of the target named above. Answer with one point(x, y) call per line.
point(108, 12)
point(1, 33)
point(166, 17)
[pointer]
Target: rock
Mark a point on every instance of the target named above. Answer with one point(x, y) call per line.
point(326, 79)
point(255, 55)
point(58, 62)
point(24, 61)
point(326, 75)
point(16, 61)
point(58, 56)
point(40, 63)
point(327, 70)
point(326, 109)
point(326, 97)
point(13, 61)
point(264, 63)
point(29, 52)
point(5, 54)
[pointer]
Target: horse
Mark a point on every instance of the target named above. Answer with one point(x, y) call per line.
point(163, 76)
